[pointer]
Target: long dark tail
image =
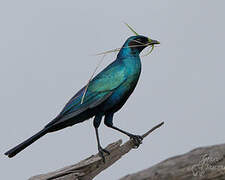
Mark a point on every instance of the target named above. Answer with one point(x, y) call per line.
point(12, 152)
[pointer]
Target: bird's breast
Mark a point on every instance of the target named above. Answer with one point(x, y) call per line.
point(122, 93)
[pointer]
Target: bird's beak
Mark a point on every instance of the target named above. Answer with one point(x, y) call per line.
point(152, 42)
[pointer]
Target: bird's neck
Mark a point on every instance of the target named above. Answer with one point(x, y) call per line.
point(126, 53)
point(132, 64)
point(131, 60)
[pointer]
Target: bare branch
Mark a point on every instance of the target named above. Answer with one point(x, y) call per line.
point(92, 166)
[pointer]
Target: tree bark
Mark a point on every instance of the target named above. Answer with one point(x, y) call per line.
point(205, 163)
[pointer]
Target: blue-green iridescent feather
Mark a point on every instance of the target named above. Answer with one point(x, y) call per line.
point(99, 87)
point(108, 90)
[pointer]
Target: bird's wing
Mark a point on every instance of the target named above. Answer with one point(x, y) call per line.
point(99, 89)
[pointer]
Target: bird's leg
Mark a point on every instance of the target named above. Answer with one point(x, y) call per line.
point(100, 149)
point(109, 122)
point(137, 138)
point(97, 121)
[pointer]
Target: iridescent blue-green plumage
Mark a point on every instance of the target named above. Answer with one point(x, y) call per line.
point(106, 93)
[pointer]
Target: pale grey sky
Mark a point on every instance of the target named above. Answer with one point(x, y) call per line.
point(46, 55)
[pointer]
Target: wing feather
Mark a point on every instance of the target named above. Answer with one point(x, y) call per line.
point(100, 88)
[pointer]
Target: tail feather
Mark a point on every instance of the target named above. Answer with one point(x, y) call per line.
point(12, 152)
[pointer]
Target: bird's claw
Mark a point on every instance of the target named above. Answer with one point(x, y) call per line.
point(137, 140)
point(101, 152)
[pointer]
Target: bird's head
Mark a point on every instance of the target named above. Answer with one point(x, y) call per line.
point(135, 44)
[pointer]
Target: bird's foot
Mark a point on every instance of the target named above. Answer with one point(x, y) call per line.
point(101, 152)
point(136, 139)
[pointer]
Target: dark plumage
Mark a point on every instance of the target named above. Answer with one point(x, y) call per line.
point(106, 93)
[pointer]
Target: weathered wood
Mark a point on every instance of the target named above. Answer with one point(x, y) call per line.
point(206, 163)
point(92, 166)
